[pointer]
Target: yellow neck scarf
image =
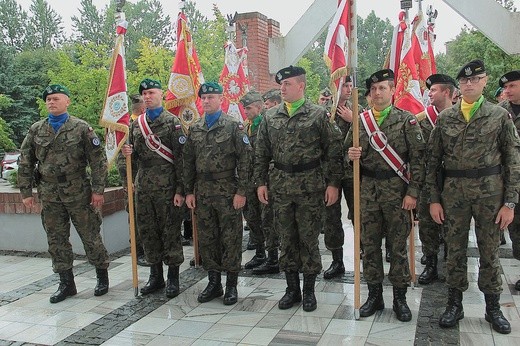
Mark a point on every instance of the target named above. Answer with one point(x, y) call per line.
point(292, 107)
point(468, 109)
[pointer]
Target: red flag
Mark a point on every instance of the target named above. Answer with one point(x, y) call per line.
point(115, 116)
point(185, 78)
point(407, 90)
point(423, 53)
point(336, 48)
point(234, 81)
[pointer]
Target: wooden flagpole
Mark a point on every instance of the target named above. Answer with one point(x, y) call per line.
point(355, 134)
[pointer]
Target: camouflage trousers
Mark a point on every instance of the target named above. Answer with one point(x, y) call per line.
point(56, 217)
point(514, 233)
point(430, 233)
point(334, 235)
point(220, 233)
point(260, 220)
point(375, 218)
point(159, 224)
point(458, 212)
point(298, 221)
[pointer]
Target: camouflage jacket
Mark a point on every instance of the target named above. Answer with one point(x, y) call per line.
point(405, 136)
point(304, 137)
point(154, 172)
point(507, 106)
point(222, 148)
point(62, 160)
point(488, 139)
point(425, 124)
point(343, 125)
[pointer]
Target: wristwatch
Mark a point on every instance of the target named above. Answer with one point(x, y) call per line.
point(510, 205)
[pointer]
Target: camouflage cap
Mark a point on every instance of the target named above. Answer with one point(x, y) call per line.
point(148, 83)
point(288, 72)
point(326, 92)
point(55, 89)
point(472, 68)
point(509, 77)
point(251, 97)
point(439, 78)
point(271, 93)
point(210, 88)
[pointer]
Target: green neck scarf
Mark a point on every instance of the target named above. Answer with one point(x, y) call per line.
point(292, 107)
point(383, 114)
point(256, 121)
point(476, 106)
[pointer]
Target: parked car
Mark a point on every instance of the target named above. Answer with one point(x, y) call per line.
point(9, 164)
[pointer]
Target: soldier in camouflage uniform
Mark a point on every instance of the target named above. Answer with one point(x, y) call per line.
point(478, 144)
point(386, 199)
point(217, 149)
point(63, 147)
point(272, 98)
point(441, 88)
point(325, 97)
point(297, 136)
point(334, 234)
point(510, 82)
point(158, 187)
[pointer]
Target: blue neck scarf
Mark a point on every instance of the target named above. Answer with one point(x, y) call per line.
point(211, 119)
point(57, 121)
point(154, 113)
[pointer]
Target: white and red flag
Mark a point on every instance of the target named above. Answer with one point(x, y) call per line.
point(337, 49)
point(185, 78)
point(234, 81)
point(408, 94)
point(115, 116)
point(423, 53)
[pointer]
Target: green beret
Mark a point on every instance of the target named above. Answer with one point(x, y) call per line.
point(498, 92)
point(271, 94)
point(148, 83)
point(472, 68)
point(379, 76)
point(439, 79)
point(55, 89)
point(326, 92)
point(509, 77)
point(210, 88)
point(251, 97)
point(288, 72)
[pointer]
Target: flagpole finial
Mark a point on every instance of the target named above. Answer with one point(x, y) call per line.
point(230, 28)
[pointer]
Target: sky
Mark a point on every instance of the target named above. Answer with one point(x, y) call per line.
point(448, 23)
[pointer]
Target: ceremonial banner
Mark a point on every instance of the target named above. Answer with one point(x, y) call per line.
point(115, 116)
point(336, 49)
point(234, 81)
point(408, 94)
point(423, 53)
point(185, 78)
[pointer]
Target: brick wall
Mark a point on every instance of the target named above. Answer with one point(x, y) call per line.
point(259, 30)
point(11, 202)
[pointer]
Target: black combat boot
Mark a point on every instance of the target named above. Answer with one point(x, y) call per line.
point(430, 271)
point(337, 268)
point(270, 266)
point(172, 284)
point(401, 309)
point(424, 259)
point(141, 258)
point(309, 299)
point(155, 281)
point(66, 288)
point(293, 293)
point(454, 310)
point(213, 289)
point(494, 315)
point(517, 285)
point(250, 244)
point(231, 295)
point(102, 282)
point(374, 301)
point(258, 259)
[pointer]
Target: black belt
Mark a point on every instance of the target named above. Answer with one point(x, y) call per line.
point(473, 173)
point(216, 175)
point(63, 178)
point(297, 168)
point(380, 175)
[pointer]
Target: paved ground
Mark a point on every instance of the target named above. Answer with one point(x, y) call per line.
point(119, 318)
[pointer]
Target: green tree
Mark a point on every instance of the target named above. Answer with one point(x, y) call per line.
point(91, 26)
point(45, 27)
point(6, 143)
point(13, 21)
point(312, 90)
